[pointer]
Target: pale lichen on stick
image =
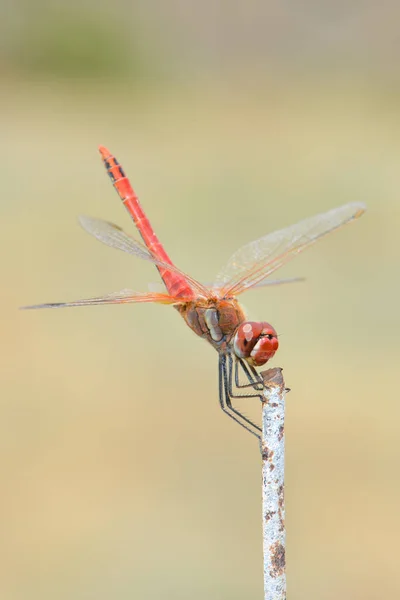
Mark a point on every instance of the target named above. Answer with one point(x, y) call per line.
point(273, 469)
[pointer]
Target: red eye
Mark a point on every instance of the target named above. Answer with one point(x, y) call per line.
point(256, 342)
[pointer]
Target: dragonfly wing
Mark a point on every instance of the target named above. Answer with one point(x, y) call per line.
point(112, 235)
point(123, 297)
point(252, 263)
point(278, 281)
point(154, 287)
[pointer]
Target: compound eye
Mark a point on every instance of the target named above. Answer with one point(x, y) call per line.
point(257, 342)
point(264, 350)
point(245, 338)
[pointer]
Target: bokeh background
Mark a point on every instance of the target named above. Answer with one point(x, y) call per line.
point(120, 476)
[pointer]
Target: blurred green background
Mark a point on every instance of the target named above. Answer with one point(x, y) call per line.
point(121, 477)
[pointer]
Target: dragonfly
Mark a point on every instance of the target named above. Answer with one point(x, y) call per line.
point(213, 311)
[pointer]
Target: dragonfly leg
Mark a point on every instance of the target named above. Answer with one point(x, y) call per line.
point(254, 378)
point(225, 397)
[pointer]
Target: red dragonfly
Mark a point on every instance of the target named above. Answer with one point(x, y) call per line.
point(213, 312)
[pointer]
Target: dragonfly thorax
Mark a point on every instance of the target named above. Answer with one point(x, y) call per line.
point(223, 324)
point(256, 342)
point(213, 319)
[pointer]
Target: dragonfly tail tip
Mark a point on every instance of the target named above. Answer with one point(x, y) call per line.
point(104, 152)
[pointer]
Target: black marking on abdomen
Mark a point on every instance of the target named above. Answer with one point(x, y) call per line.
point(114, 165)
point(119, 168)
point(121, 172)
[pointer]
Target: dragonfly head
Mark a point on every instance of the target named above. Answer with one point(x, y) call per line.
point(255, 342)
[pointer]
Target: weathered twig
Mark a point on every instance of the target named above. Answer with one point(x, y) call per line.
point(273, 469)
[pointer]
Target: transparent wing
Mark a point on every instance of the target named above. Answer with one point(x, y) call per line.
point(122, 297)
point(156, 287)
point(113, 236)
point(252, 263)
point(279, 281)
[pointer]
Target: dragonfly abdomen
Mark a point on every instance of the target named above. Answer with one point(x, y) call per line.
point(175, 284)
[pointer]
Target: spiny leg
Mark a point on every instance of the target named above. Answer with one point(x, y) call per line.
point(254, 378)
point(226, 402)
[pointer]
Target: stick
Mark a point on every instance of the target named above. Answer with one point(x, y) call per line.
point(273, 469)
